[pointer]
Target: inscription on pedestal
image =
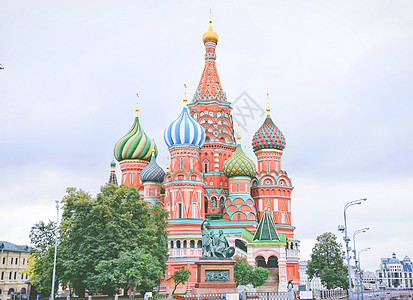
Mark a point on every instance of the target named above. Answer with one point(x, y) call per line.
point(216, 275)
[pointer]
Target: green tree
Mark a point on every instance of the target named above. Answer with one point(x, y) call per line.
point(259, 276)
point(180, 276)
point(136, 270)
point(327, 262)
point(41, 258)
point(100, 229)
point(245, 274)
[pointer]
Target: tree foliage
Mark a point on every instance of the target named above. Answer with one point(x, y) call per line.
point(327, 262)
point(180, 276)
point(245, 274)
point(112, 225)
point(136, 270)
point(41, 258)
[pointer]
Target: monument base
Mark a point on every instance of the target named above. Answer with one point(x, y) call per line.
point(215, 276)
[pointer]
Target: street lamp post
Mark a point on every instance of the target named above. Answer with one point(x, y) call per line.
point(55, 252)
point(346, 239)
point(359, 268)
point(355, 259)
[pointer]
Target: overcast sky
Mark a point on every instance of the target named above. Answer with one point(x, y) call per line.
point(339, 74)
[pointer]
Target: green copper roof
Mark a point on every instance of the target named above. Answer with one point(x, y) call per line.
point(266, 229)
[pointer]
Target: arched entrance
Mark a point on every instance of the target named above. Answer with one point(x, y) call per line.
point(271, 285)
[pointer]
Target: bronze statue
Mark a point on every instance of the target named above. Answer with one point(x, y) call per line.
point(215, 246)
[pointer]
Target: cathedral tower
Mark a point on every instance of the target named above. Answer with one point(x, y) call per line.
point(212, 110)
point(152, 177)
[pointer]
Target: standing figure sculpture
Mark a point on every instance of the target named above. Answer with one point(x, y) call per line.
point(215, 246)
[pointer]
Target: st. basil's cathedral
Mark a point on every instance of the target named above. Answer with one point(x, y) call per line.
point(209, 176)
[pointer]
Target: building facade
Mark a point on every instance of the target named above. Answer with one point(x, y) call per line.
point(395, 273)
point(313, 284)
point(13, 262)
point(209, 176)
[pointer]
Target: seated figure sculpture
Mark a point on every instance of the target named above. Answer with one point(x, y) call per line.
point(215, 246)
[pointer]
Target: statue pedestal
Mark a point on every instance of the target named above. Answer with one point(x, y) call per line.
point(215, 276)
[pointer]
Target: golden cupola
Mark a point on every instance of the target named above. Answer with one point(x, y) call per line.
point(210, 35)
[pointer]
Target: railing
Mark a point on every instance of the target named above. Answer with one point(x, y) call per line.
point(266, 295)
point(331, 294)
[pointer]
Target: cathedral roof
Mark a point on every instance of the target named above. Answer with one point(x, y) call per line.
point(266, 230)
point(210, 35)
point(209, 87)
point(268, 136)
point(239, 164)
point(152, 172)
point(135, 144)
point(184, 130)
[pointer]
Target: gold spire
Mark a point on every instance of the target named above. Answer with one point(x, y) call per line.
point(268, 104)
point(185, 100)
point(137, 104)
point(239, 134)
point(153, 150)
point(210, 35)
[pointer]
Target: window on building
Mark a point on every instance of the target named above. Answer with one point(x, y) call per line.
point(172, 244)
point(239, 217)
point(150, 192)
point(237, 187)
point(22, 276)
point(268, 166)
point(4, 260)
point(214, 201)
point(192, 244)
point(221, 202)
point(131, 178)
point(2, 275)
point(180, 211)
point(16, 261)
point(199, 244)
point(206, 204)
point(206, 168)
point(182, 163)
point(178, 244)
point(15, 275)
point(24, 261)
point(11, 260)
point(10, 275)
point(185, 244)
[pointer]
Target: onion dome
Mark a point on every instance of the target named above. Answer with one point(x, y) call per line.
point(239, 164)
point(135, 144)
point(184, 130)
point(113, 163)
point(152, 172)
point(268, 136)
point(210, 35)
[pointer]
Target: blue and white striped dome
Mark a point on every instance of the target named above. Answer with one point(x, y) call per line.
point(184, 131)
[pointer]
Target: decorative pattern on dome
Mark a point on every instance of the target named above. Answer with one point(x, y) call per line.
point(239, 165)
point(268, 136)
point(135, 144)
point(152, 172)
point(184, 131)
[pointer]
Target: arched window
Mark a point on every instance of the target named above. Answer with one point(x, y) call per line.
point(185, 244)
point(214, 201)
point(192, 244)
point(178, 244)
point(222, 202)
point(268, 166)
point(199, 244)
point(172, 244)
point(239, 217)
point(180, 210)
point(182, 163)
point(206, 204)
point(206, 167)
point(131, 178)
